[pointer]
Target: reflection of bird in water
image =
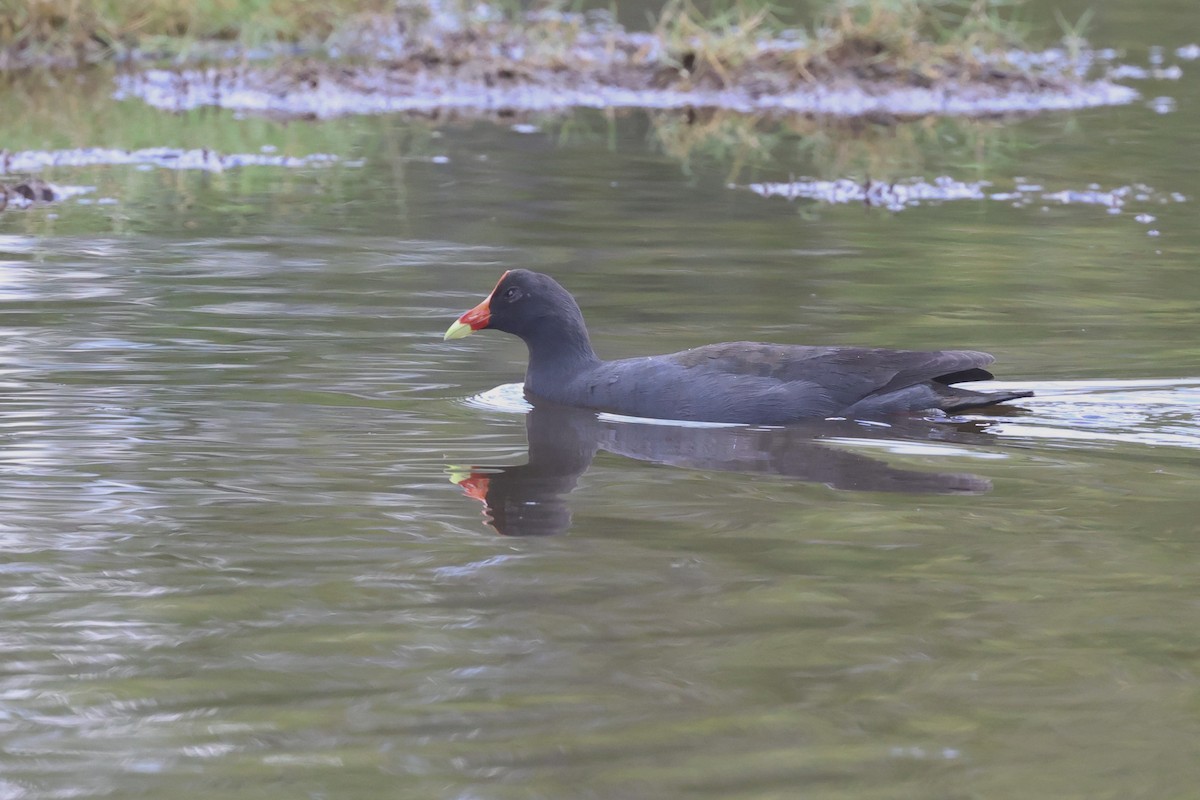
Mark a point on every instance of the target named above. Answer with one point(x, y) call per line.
point(530, 499)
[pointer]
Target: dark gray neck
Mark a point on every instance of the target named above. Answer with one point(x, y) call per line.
point(556, 357)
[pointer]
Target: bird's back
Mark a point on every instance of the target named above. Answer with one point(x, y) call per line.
point(771, 384)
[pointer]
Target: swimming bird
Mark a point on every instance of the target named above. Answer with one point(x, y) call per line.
point(734, 382)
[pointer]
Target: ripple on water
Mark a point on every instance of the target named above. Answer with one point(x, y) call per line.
point(1147, 412)
point(508, 398)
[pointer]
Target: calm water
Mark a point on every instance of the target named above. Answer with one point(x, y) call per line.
point(235, 563)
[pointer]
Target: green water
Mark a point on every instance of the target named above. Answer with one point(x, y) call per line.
point(234, 564)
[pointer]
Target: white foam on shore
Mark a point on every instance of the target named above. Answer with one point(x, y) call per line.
point(165, 157)
point(900, 195)
point(377, 92)
point(60, 192)
point(25, 162)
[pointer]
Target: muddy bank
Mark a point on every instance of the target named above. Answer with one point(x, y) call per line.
point(573, 64)
point(324, 91)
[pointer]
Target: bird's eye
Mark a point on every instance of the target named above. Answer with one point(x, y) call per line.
point(512, 293)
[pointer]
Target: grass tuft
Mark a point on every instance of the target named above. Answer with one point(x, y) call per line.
point(741, 42)
point(721, 43)
point(913, 41)
point(930, 38)
point(74, 32)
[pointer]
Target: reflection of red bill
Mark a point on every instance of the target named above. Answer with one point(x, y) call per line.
point(475, 486)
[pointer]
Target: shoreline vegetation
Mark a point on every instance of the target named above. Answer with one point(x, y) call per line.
point(930, 37)
point(863, 89)
point(325, 57)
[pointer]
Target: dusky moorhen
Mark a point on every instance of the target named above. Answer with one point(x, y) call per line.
point(739, 382)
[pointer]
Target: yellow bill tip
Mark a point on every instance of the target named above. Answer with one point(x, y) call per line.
point(457, 331)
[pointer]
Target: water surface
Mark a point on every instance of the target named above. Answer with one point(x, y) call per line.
point(235, 563)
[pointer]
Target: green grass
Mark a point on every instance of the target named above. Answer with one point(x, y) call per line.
point(916, 35)
point(927, 39)
point(72, 32)
point(908, 40)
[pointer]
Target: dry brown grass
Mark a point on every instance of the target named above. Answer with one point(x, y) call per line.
point(84, 31)
point(901, 40)
point(926, 39)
